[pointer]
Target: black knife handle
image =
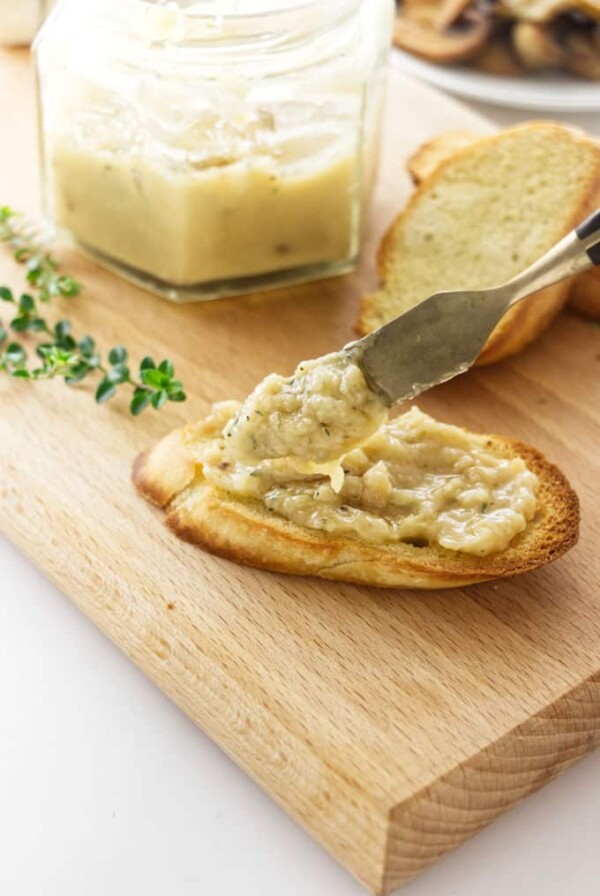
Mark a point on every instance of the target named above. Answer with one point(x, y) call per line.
point(590, 228)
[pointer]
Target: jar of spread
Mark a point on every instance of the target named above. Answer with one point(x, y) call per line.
point(20, 19)
point(209, 147)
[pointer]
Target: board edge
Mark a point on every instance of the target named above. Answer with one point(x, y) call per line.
point(455, 807)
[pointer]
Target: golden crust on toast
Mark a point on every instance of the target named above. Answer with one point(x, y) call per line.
point(423, 162)
point(584, 297)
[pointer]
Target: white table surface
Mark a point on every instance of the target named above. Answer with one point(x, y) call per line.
point(106, 789)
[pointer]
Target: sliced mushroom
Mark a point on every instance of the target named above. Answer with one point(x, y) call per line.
point(537, 46)
point(503, 11)
point(497, 57)
point(417, 32)
point(504, 37)
point(450, 12)
point(583, 53)
point(542, 11)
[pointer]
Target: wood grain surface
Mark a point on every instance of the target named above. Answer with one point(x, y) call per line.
point(391, 725)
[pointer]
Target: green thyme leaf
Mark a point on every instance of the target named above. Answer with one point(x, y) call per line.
point(105, 391)
point(68, 286)
point(140, 401)
point(26, 303)
point(77, 373)
point(62, 329)
point(153, 378)
point(118, 374)
point(37, 325)
point(117, 355)
point(167, 368)
point(158, 399)
point(15, 353)
point(86, 346)
point(20, 324)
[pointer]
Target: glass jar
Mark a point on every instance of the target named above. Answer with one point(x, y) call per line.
point(208, 148)
point(20, 19)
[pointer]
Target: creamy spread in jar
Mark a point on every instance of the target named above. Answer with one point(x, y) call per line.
point(213, 216)
point(325, 408)
point(412, 481)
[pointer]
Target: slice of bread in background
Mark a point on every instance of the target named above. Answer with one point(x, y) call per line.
point(423, 162)
point(244, 531)
point(584, 294)
point(483, 215)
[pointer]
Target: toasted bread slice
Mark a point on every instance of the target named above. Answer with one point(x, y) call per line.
point(483, 215)
point(584, 297)
point(423, 162)
point(243, 530)
point(584, 294)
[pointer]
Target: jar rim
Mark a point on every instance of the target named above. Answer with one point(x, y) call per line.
point(232, 9)
point(212, 32)
point(228, 10)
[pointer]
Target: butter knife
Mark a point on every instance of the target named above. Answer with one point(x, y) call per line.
point(443, 335)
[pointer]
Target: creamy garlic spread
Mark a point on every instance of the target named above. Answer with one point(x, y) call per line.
point(325, 408)
point(414, 480)
point(187, 218)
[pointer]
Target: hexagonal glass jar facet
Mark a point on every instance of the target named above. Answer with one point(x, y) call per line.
point(215, 147)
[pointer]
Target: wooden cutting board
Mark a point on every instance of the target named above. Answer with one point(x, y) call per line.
point(392, 725)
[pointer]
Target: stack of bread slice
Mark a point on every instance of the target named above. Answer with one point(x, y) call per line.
point(484, 210)
point(504, 37)
point(584, 291)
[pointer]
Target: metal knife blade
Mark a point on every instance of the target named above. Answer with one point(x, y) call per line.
point(444, 335)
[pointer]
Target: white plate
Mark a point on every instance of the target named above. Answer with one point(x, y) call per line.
point(553, 93)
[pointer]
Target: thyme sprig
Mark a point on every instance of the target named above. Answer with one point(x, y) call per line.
point(59, 354)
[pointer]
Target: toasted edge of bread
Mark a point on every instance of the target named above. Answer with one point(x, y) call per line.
point(424, 160)
point(524, 322)
point(584, 294)
point(584, 297)
point(245, 532)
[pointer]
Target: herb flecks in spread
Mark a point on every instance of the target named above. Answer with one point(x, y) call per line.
point(414, 480)
point(316, 415)
point(223, 198)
